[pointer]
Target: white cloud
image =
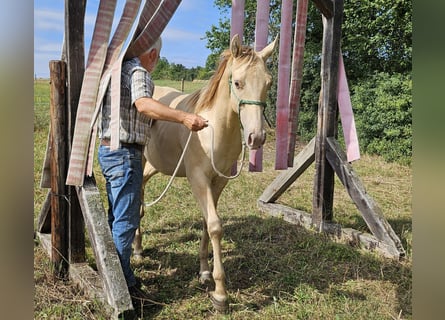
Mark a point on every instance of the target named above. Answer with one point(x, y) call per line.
point(49, 20)
point(177, 34)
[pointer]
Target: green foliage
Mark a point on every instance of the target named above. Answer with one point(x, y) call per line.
point(383, 112)
point(172, 71)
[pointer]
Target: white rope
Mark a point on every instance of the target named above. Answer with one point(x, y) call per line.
point(149, 204)
point(212, 148)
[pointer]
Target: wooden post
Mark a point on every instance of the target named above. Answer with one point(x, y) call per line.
point(261, 37)
point(323, 195)
point(59, 197)
point(237, 19)
point(283, 85)
point(296, 76)
point(75, 60)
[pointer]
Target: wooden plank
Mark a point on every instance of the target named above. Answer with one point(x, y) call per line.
point(296, 76)
point(58, 168)
point(282, 182)
point(107, 260)
point(44, 223)
point(74, 53)
point(87, 279)
point(261, 37)
point(323, 195)
point(326, 7)
point(283, 81)
point(371, 212)
point(336, 232)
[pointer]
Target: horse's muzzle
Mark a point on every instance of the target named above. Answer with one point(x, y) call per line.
point(256, 139)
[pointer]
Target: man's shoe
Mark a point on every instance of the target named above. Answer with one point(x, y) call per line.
point(137, 293)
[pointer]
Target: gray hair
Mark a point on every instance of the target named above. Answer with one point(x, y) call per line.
point(157, 46)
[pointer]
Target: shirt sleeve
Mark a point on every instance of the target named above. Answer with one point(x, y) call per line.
point(141, 84)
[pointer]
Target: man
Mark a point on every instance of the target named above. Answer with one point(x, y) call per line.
point(122, 168)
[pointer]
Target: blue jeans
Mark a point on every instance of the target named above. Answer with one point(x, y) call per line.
point(123, 172)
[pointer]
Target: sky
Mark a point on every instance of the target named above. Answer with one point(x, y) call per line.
point(182, 39)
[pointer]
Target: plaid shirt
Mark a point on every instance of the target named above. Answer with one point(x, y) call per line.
point(136, 83)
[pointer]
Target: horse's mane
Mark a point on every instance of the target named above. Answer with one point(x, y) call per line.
point(203, 99)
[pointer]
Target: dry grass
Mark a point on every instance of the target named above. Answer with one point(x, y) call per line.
point(274, 270)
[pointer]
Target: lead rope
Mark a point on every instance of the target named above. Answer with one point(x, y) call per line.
point(149, 204)
point(212, 148)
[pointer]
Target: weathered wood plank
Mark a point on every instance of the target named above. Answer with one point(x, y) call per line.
point(323, 195)
point(371, 212)
point(335, 231)
point(282, 182)
point(58, 169)
point(102, 243)
point(74, 53)
point(326, 7)
point(81, 274)
point(44, 223)
point(90, 282)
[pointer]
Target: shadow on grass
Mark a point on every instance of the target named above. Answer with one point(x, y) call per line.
point(278, 257)
point(269, 257)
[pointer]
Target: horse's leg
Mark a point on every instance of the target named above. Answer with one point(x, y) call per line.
point(205, 275)
point(207, 195)
point(149, 171)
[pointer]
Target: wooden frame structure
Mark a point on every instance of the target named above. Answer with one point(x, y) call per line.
point(329, 159)
point(68, 209)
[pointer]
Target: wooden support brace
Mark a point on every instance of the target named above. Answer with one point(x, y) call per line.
point(337, 232)
point(369, 209)
point(107, 260)
point(301, 162)
point(44, 223)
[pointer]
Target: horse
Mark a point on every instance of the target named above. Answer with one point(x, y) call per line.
point(233, 100)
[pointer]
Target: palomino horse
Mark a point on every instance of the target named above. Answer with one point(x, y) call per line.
point(233, 100)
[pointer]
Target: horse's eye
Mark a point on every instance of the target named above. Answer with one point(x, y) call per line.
point(237, 84)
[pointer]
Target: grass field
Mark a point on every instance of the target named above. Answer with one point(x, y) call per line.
point(274, 270)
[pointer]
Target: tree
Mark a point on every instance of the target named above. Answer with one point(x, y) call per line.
point(161, 70)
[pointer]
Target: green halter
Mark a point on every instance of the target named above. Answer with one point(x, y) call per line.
point(243, 101)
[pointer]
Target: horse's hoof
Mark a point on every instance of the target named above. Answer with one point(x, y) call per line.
point(206, 279)
point(220, 305)
point(138, 257)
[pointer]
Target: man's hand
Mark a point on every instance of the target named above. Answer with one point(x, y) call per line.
point(195, 122)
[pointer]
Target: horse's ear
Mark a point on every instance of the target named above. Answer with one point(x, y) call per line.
point(267, 51)
point(235, 46)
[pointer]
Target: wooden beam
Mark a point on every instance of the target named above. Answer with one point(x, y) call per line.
point(44, 223)
point(323, 195)
point(335, 231)
point(282, 182)
point(107, 260)
point(326, 7)
point(85, 277)
point(58, 169)
point(74, 49)
point(369, 209)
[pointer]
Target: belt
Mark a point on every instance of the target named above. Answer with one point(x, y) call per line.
point(106, 142)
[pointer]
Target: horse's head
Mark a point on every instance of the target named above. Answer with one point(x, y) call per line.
point(249, 82)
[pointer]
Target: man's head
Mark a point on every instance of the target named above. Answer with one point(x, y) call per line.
point(150, 57)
